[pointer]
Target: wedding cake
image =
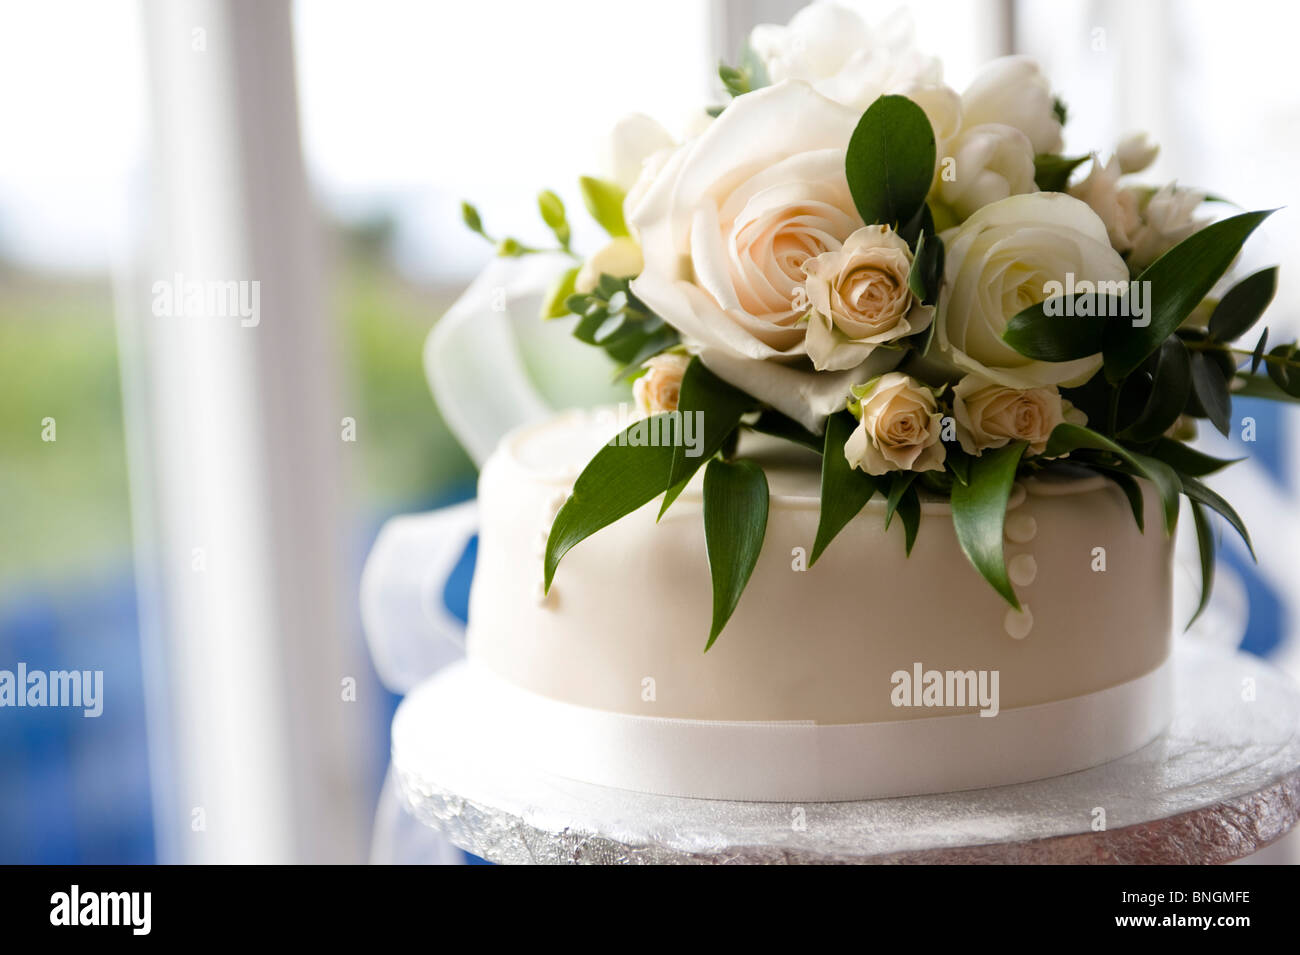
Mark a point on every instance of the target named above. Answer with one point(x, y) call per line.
point(891, 510)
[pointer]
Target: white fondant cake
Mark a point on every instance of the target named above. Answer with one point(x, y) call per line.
point(823, 684)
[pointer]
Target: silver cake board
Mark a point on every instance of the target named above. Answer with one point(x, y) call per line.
point(1221, 783)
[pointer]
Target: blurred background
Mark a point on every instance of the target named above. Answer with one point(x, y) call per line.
point(195, 521)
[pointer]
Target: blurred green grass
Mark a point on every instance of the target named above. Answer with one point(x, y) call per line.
point(64, 505)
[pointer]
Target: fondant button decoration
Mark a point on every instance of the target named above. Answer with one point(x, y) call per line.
point(1021, 528)
point(1019, 622)
point(1022, 569)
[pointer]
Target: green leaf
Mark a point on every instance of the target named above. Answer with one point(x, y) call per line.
point(1187, 460)
point(909, 512)
point(1243, 305)
point(1133, 491)
point(890, 161)
point(552, 211)
point(618, 480)
point(1246, 385)
point(1072, 437)
point(926, 274)
point(473, 221)
point(1283, 370)
point(1052, 171)
point(735, 520)
point(555, 305)
point(900, 481)
point(1205, 544)
point(1060, 110)
point(1179, 280)
point(845, 489)
point(1200, 493)
point(779, 426)
point(720, 408)
point(604, 201)
point(1257, 355)
point(1170, 384)
point(979, 511)
point(1211, 390)
point(1065, 336)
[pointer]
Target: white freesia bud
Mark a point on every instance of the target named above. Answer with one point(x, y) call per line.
point(1014, 91)
point(899, 427)
point(842, 57)
point(989, 415)
point(1117, 208)
point(1167, 219)
point(633, 140)
point(860, 299)
point(659, 388)
point(1135, 153)
point(990, 162)
point(621, 258)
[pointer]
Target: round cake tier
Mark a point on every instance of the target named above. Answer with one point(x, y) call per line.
point(624, 626)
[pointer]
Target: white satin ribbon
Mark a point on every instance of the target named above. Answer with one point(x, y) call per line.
point(793, 762)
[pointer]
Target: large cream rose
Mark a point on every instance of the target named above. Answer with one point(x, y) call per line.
point(860, 299)
point(899, 426)
point(726, 228)
point(989, 415)
point(999, 262)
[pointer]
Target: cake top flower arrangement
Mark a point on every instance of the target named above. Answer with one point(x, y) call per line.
point(914, 283)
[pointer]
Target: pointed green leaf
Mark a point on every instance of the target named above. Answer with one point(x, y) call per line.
point(1066, 336)
point(899, 482)
point(1072, 437)
point(1052, 172)
point(1170, 385)
point(604, 200)
point(1257, 355)
point(1211, 390)
point(926, 274)
point(979, 511)
point(1205, 544)
point(1243, 305)
point(909, 512)
point(779, 426)
point(735, 520)
point(716, 408)
point(1246, 385)
point(1179, 281)
point(618, 480)
point(890, 161)
point(1284, 369)
point(1202, 494)
point(1187, 460)
point(555, 305)
point(845, 489)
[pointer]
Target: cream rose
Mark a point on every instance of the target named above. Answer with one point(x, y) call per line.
point(989, 415)
point(726, 228)
point(999, 262)
point(659, 388)
point(898, 427)
point(1013, 91)
point(843, 57)
point(989, 162)
point(859, 299)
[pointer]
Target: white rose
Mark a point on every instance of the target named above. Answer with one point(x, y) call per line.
point(845, 59)
point(999, 262)
point(1167, 219)
point(860, 299)
point(659, 388)
point(898, 428)
point(1117, 208)
point(989, 415)
point(989, 162)
point(620, 258)
point(1013, 90)
point(942, 107)
point(726, 228)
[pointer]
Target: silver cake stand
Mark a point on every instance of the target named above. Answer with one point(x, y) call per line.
point(1223, 782)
